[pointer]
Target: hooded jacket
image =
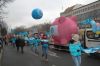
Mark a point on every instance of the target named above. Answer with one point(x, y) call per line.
point(75, 49)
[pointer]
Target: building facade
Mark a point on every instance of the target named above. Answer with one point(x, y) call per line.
point(83, 12)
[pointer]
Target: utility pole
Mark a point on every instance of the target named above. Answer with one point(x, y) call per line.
point(62, 4)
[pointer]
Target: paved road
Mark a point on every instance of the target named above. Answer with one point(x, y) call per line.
point(56, 58)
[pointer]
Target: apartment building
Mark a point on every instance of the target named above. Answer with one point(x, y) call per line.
point(83, 12)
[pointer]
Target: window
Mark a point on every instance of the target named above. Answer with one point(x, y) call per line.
point(97, 5)
point(54, 30)
point(92, 35)
point(85, 9)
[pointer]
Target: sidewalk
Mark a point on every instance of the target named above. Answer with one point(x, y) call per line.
point(1, 56)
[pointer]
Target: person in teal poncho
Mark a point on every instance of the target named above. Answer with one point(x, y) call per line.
point(30, 41)
point(36, 42)
point(75, 49)
point(13, 40)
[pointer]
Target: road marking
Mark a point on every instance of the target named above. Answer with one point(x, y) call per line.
point(53, 65)
point(52, 54)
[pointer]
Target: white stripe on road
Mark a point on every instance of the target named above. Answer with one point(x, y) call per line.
point(52, 54)
point(53, 65)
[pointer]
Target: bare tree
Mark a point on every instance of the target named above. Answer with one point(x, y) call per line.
point(19, 29)
point(4, 2)
point(3, 25)
point(40, 28)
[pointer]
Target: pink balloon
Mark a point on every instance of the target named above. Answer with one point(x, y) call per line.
point(66, 26)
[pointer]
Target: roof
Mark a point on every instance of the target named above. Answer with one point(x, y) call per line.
point(77, 6)
point(69, 9)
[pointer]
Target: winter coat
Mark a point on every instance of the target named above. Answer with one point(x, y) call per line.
point(31, 40)
point(20, 42)
point(75, 49)
point(44, 43)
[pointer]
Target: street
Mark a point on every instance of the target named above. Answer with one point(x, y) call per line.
point(55, 24)
point(56, 58)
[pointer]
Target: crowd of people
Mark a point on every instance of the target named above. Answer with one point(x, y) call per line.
point(32, 40)
point(35, 40)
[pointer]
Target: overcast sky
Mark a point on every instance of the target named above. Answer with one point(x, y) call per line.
point(19, 11)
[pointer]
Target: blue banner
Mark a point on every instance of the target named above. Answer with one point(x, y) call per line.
point(91, 22)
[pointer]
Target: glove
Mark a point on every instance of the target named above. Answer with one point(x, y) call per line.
point(78, 50)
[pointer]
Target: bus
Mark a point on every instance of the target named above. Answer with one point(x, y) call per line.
point(90, 39)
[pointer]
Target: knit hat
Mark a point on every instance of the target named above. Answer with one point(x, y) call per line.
point(44, 37)
point(75, 37)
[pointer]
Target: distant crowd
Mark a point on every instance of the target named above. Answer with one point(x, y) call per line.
point(32, 40)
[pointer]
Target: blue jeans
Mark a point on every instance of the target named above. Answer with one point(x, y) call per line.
point(45, 52)
point(31, 46)
point(77, 60)
point(36, 48)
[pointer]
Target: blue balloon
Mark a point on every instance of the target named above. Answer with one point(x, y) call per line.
point(37, 13)
point(94, 27)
